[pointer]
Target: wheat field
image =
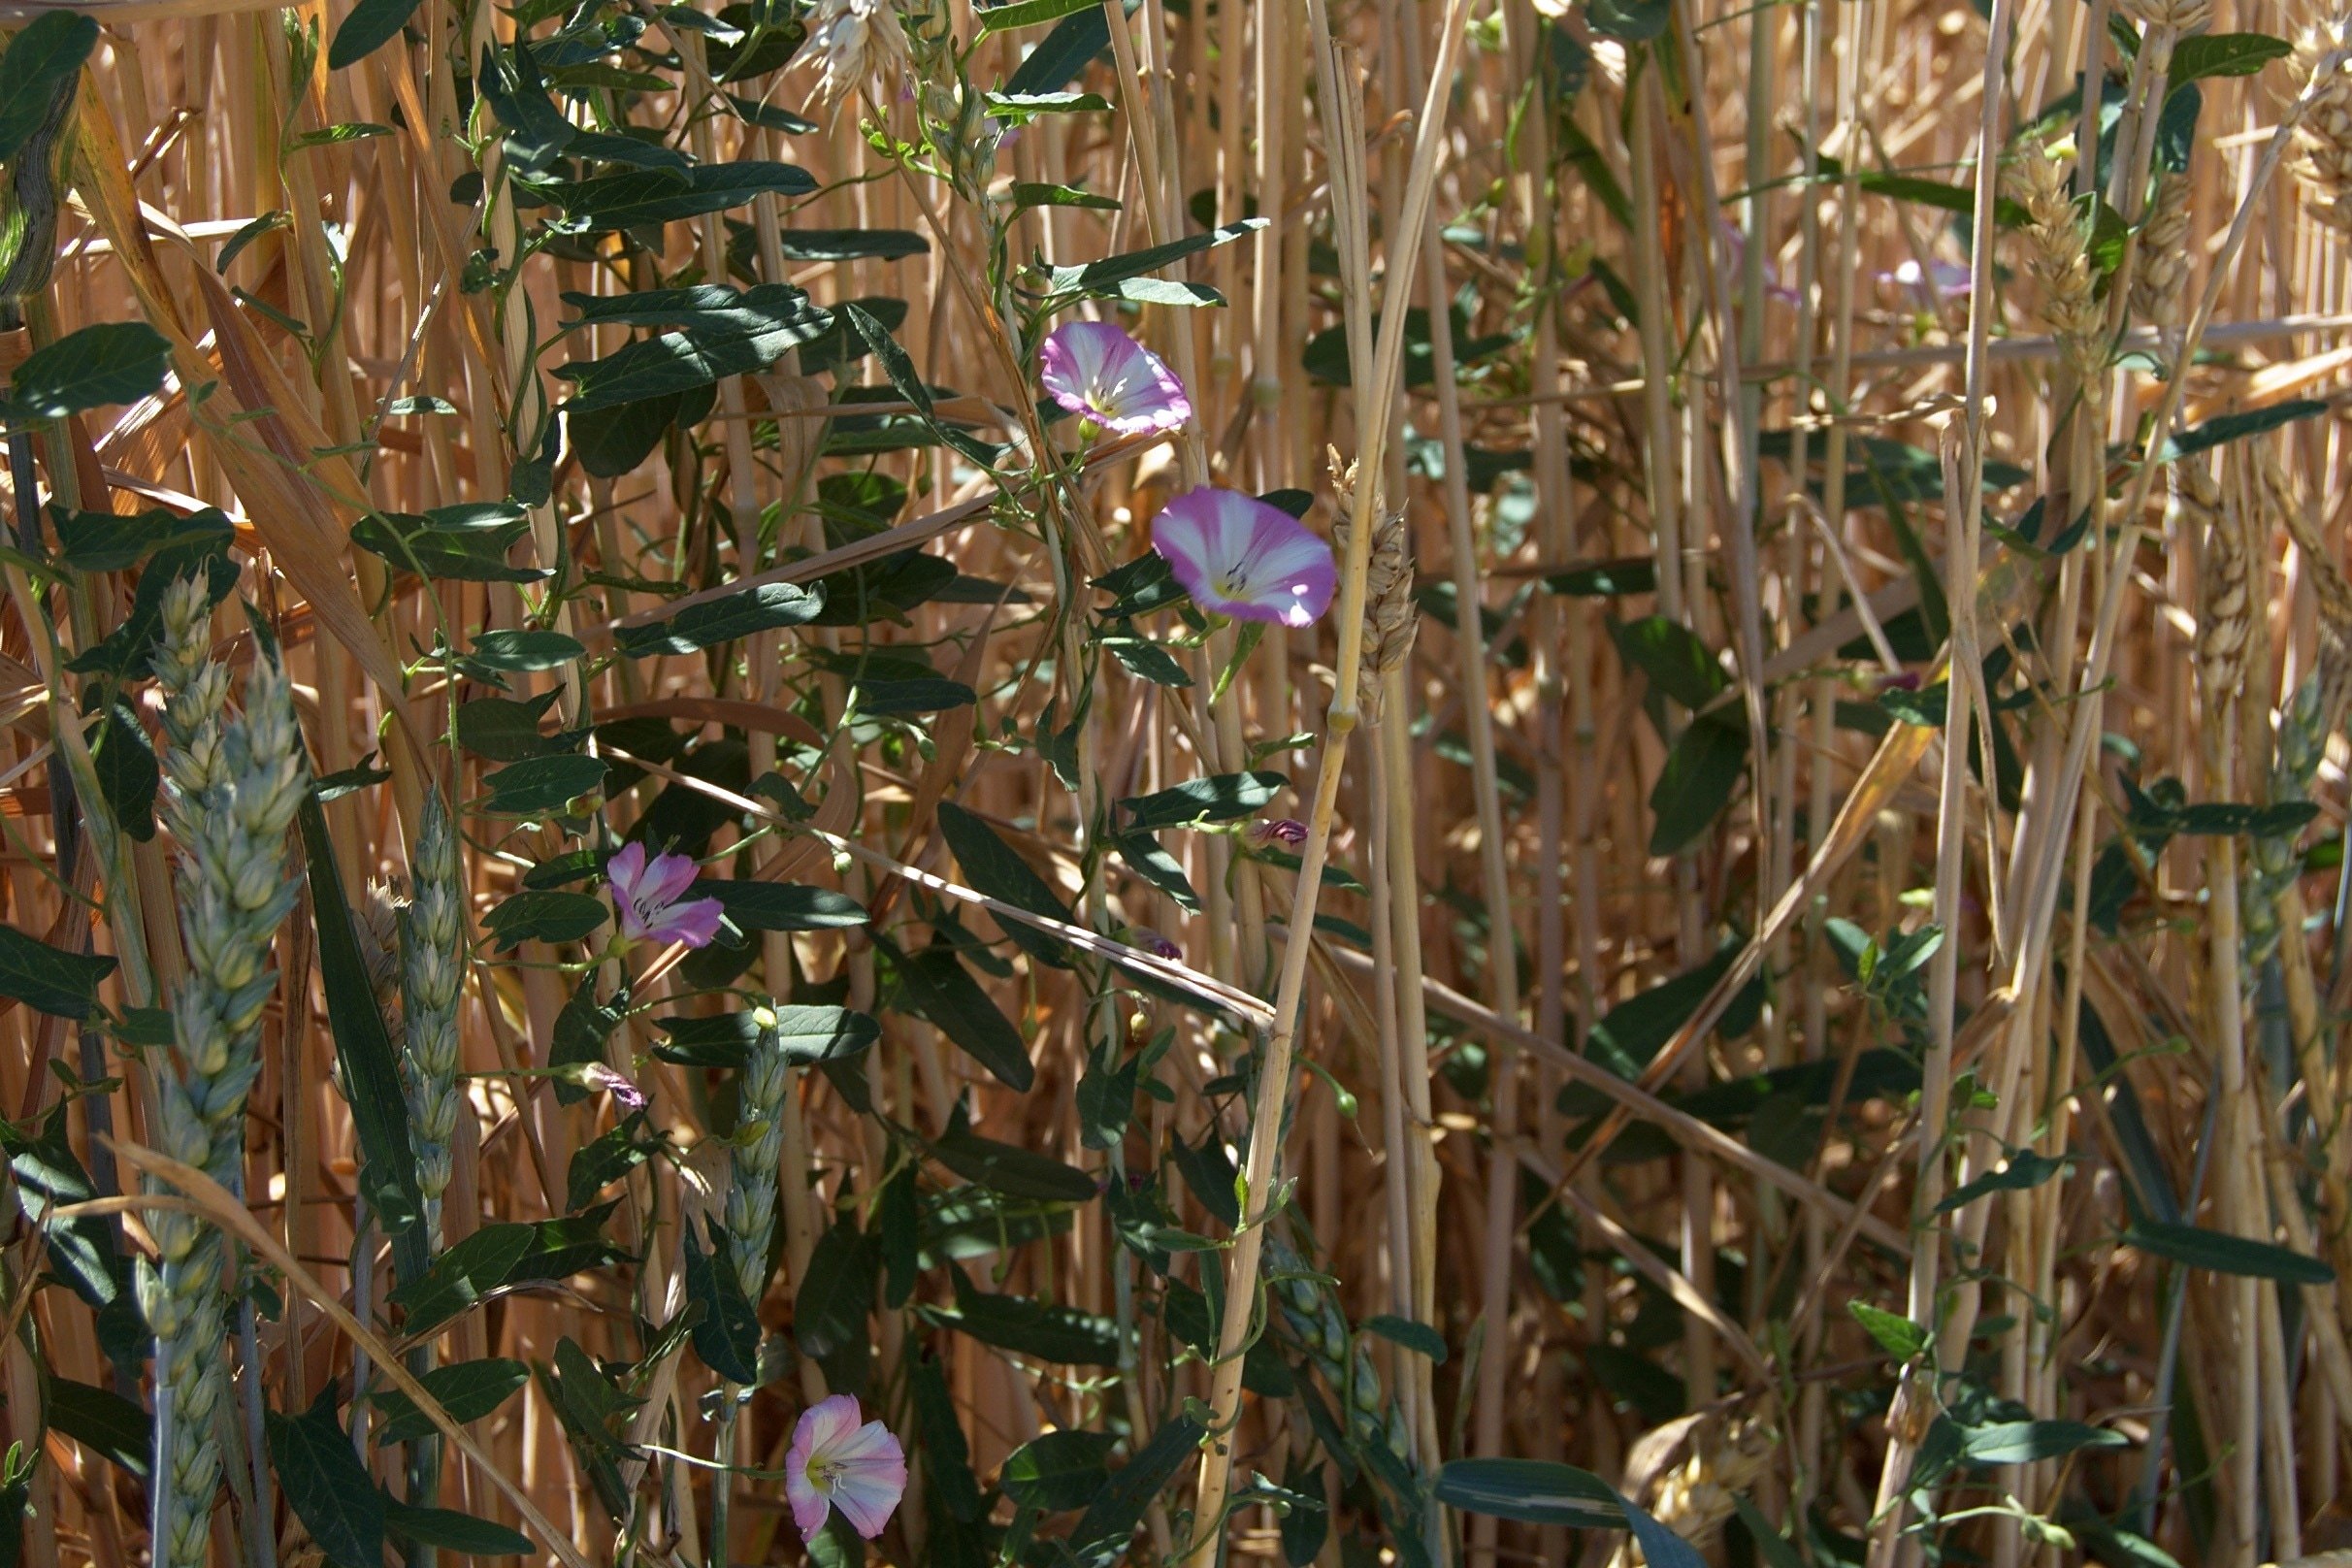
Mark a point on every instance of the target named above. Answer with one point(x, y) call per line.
point(674, 681)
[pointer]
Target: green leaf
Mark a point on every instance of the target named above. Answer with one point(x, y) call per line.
point(326, 1486)
point(2222, 1253)
point(363, 1051)
point(762, 609)
point(835, 1291)
point(1608, 580)
point(1109, 1522)
point(1701, 772)
point(104, 542)
point(898, 1235)
point(727, 1336)
point(50, 979)
point(1054, 63)
point(1629, 21)
point(604, 1160)
point(1028, 13)
point(1677, 663)
point(582, 1029)
point(335, 135)
point(542, 784)
point(932, 985)
point(1221, 797)
point(370, 25)
point(1533, 1491)
point(2224, 55)
point(650, 196)
point(2027, 1442)
point(810, 1036)
point(734, 340)
point(1897, 1335)
point(612, 441)
point(524, 652)
point(100, 1420)
point(2223, 429)
point(852, 245)
point(1006, 1167)
point(2024, 1170)
point(468, 1391)
point(1103, 276)
point(1062, 1335)
point(113, 362)
point(1773, 1546)
point(913, 695)
point(545, 916)
point(995, 867)
point(899, 370)
point(1417, 1338)
point(37, 74)
point(505, 730)
point(463, 1276)
point(127, 772)
point(474, 554)
point(1059, 1472)
point(202, 553)
point(1143, 854)
point(500, 1257)
point(453, 1531)
point(1661, 1547)
point(782, 906)
point(1147, 660)
point(1026, 193)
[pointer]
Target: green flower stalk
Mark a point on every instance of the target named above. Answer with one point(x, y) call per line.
point(432, 956)
point(236, 784)
point(754, 1156)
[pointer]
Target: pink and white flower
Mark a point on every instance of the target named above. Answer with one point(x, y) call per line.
point(647, 898)
point(1238, 556)
point(1094, 368)
point(596, 1076)
point(1288, 832)
point(834, 1462)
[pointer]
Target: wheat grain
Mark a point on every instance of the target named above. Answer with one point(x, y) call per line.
point(236, 785)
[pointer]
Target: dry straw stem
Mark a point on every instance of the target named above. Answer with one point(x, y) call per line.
point(1374, 397)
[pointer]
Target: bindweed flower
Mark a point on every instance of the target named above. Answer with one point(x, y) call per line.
point(625, 1093)
point(1238, 556)
point(647, 898)
point(1267, 832)
point(1094, 368)
point(1152, 942)
point(834, 1462)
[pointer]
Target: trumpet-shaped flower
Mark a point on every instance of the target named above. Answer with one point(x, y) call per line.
point(1094, 368)
point(1240, 557)
point(834, 1462)
point(647, 896)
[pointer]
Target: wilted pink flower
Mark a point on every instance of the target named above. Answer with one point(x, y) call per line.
point(1094, 368)
point(1240, 557)
point(1152, 942)
point(1288, 832)
point(834, 1462)
point(647, 898)
point(625, 1094)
